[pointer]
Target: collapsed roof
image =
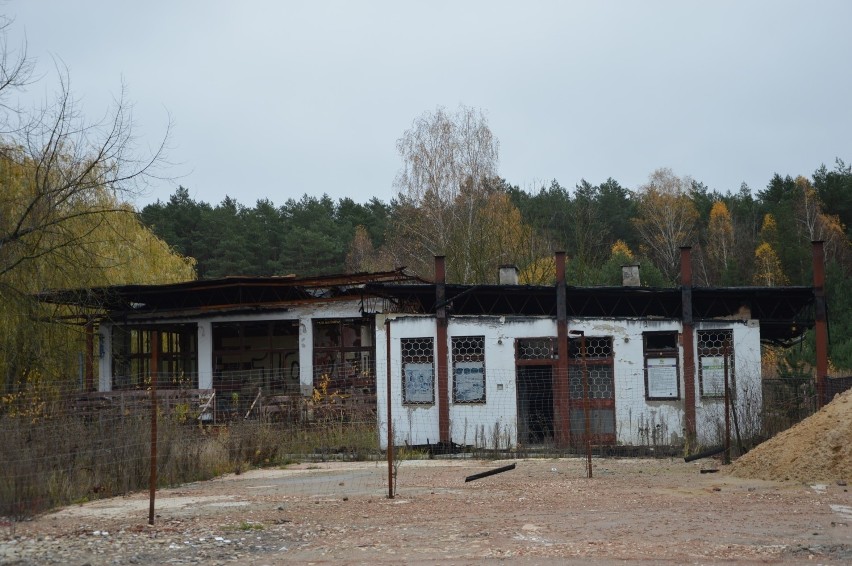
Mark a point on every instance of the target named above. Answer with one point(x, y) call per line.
point(784, 313)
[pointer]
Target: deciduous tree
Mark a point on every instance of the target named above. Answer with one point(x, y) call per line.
point(720, 243)
point(64, 221)
point(447, 160)
point(666, 218)
point(769, 271)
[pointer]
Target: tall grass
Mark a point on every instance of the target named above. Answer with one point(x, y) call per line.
point(49, 462)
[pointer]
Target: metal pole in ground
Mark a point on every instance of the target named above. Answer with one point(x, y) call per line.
point(390, 414)
point(727, 405)
point(586, 404)
point(152, 484)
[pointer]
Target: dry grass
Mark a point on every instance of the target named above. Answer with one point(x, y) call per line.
point(51, 462)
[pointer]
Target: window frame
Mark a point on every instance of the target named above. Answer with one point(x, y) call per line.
point(352, 366)
point(408, 347)
point(468, 361)
point(713, 351)
point(177, 358)
point(661, 353)
point(598, 406)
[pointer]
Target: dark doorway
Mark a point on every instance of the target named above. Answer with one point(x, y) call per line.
point(535, 404)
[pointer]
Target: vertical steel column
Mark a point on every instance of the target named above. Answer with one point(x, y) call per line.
point(152, 482)
point(821, 325)
point(441, 351)
point(725, 354)
point(688, 343)
point(562, 423)
point(390, 413)
point(587, 409)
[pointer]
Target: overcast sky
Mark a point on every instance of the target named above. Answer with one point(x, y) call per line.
point(275, 99)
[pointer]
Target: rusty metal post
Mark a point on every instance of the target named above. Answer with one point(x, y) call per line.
point(562, 424)
point(688, 344)
point(821, 322)
point(727, 404)
point(155, 362)
point(441, 351)
point(390, 410)
point(586, 403)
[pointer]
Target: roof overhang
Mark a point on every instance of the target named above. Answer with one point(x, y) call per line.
point(215, 296)
point(784, 313)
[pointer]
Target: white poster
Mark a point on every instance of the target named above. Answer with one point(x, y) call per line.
point(419, 383)
point(662, 378)
point(713, 376)
point(469, 382)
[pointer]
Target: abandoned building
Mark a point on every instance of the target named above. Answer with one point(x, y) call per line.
point(453, 364)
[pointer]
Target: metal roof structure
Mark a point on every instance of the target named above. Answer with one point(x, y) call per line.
point(785, 313)
point(214, 296)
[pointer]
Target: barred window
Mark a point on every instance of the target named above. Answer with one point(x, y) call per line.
point(599, 364)
point(418, 374)
point(468, 355)
point(596, 353)
point(536, 348)
point(713, 347)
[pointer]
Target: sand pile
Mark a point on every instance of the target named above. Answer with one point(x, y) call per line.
point(818, 449)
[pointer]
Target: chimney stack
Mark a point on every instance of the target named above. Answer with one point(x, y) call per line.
point(508, 275)
point(630, 275)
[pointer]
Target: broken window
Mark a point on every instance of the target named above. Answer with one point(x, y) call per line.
point(343, 354)
point(468, 357)
point(662, 375)
point(177, 355)
point(418, 375)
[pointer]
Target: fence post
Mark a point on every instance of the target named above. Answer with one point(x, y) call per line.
point(390, 411)
point(821, 322)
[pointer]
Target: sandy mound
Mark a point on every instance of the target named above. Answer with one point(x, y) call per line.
point(818, 449)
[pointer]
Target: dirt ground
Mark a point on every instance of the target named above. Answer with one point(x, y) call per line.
point(639, 511)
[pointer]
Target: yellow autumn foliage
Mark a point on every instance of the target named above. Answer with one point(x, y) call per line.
point(621, 248)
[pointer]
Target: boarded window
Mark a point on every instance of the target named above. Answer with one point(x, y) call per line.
point(714, 346)
point(468, 357)
point(662, 369)
point(418, 373)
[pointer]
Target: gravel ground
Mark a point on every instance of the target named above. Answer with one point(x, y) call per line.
point(543, 511)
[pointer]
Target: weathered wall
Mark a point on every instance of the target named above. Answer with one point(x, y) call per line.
point(639, 421)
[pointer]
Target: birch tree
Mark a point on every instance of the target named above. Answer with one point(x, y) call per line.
point(720, 242)
point(447, 161)
point(769, 271)
point(666, 218)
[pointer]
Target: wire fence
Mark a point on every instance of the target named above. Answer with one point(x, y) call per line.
point(61, 445)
